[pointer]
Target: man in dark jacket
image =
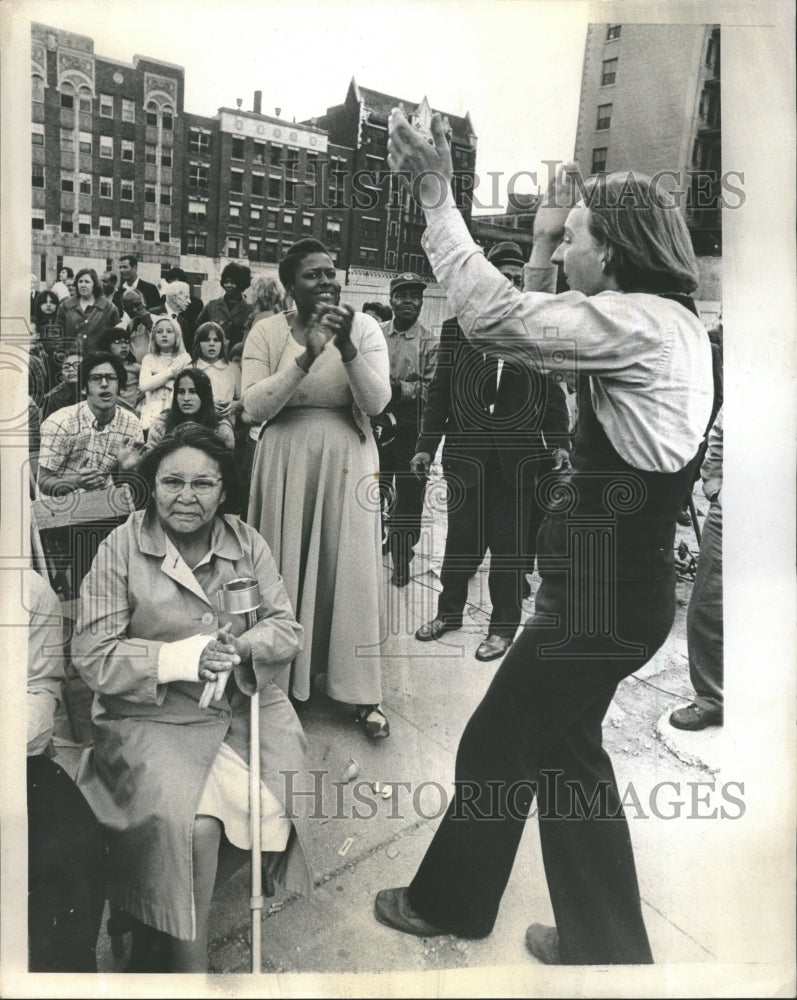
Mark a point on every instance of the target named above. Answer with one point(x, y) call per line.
point(128, 272)
point(499, 419)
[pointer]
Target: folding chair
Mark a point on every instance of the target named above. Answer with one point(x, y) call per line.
point(99, 511)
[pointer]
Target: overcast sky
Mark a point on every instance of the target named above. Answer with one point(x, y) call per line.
point(515, 65)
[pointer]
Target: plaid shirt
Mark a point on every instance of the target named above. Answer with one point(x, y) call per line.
point(71, 437)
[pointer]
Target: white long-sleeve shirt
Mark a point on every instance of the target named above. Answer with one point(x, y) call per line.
point(649, 358)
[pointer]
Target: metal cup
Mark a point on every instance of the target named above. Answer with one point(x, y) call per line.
point(239, 596)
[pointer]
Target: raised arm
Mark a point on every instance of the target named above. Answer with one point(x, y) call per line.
point(369, 370)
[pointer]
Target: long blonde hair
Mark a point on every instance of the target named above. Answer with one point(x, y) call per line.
point(649, 247)
point(178, 347)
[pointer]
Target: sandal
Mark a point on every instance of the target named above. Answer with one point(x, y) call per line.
point(373, 721)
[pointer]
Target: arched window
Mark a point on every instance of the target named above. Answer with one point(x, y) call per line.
point(85, 100)
point(168, 118)
point(152, 113)
point(67, 96)
point(37, 88)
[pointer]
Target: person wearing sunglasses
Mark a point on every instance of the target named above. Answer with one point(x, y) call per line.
point(87, 445)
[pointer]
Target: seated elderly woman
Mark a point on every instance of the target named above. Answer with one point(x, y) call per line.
point(167, 775)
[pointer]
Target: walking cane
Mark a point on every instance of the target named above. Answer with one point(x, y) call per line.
point(242, 597)
point(693, 515)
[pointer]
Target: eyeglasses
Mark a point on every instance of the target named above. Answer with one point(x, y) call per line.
point(70, 366)
point(200, 487)
point(99, 379)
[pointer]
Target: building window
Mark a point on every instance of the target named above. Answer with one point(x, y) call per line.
point(290, 192)
point(67, 225)
point(270, 250)
point(126, 191)
point(152, 113)
point(85, 184)
point(609, 72)
point(37, 175)
point(167, 119)
point(613, 31)
point(235, 212)
point(273, 219)
point(149, 193)
point(128, 110)
point(195, 243)
point(67, 139)
point(37, 134)
point(149, 233)
point(37, 219)
point(67, 101)
point(333, 229)
point(84, 224)
point(307, 222)
point(233, 246)
point(255, 215)
point(37, 89)
point(198, 176)
point(166, 156)
point(150, 154)
point(106, 187)
point(166, 196)
point(197, 211)
point(126, 228)
point(199, 142)
point(106, 147)
point(67, 181)
point(391, 259)
point(106, 106)
point(258, 185)
point(84, 102)
point(237, 181)
point(105, 225)
point(164, 235)
point(258, 152)
point(599, 160)
point(604, 117)
point(128, 150)
point(288, 219)
point(85, 142)
point(254, 249)
point(275, 155)
point(274, 187)
point(237, 148)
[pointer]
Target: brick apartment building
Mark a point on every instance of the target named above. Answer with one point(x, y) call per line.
point(650, 100)
point(119, 166)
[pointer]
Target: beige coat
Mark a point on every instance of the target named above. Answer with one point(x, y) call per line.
point(153, 746)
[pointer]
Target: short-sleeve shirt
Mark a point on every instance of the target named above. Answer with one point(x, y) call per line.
point(71, 437)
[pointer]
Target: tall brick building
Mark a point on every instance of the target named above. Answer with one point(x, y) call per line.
point(119, 166)
point(385, 223)
point(650, 100)
point(106, 144)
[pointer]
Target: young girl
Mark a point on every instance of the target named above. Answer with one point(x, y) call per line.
point(210, 357)
point(45, 307)
point(166, 358)
point(192, 400)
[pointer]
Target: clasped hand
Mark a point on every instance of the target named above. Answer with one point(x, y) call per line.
point(330, 322)
point(217, 660)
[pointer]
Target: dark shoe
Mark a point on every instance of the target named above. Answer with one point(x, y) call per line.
point(373, 721)
point(392, 908)
point(543, 943)
point(695, 718)
point(493, 647)
point(434, 629)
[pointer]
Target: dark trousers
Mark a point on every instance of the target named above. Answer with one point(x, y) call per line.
point(65, 884)
point(538, 732)
point(406, 511)
point(704, 635)
point(490, 514)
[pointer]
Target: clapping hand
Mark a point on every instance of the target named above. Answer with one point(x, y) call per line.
point(129, 455)
point(215, 665)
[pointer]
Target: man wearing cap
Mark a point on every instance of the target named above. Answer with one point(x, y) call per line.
point(499, 419)
point(410, 346)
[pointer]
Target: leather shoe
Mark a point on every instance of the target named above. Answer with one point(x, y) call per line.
point(493, 647)
point(543, 943)
point(392, 908)
point(434, 629)
point(695, 718)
